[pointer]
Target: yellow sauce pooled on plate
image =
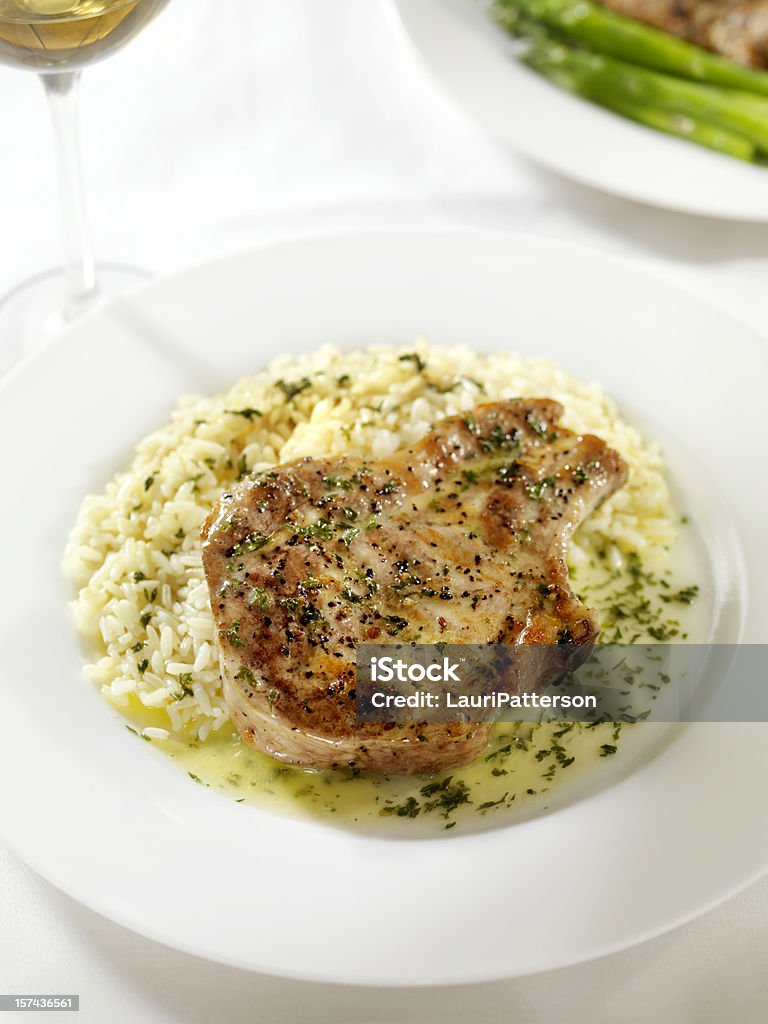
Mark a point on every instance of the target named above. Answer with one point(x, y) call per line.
point(522, 769)
point(522, 762)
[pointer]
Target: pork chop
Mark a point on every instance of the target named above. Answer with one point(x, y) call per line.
point(460, 539)
point(734, 28)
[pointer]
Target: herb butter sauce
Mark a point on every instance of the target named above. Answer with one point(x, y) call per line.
point(526, 769)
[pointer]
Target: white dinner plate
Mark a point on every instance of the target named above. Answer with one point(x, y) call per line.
point(115, 824)
point(471, 58)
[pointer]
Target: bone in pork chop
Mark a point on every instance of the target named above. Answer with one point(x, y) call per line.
point(460, 539)
point(734, 28)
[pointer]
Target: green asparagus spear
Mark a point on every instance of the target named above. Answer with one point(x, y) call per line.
point(600, 29)
point(679, 125)
point(605, 78)
point(683, 127)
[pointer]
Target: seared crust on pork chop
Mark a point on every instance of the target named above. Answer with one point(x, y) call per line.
point(460, 539)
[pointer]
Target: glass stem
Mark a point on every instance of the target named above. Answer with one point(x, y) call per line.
point(61, 90)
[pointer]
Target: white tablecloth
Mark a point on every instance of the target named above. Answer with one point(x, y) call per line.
point(232, 122)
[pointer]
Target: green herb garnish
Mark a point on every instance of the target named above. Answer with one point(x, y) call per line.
point(293, 388)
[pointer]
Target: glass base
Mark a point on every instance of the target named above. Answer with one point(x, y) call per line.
point(35, 310)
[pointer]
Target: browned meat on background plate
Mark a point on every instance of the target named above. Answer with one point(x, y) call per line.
point(461, 539)
point(734, 28)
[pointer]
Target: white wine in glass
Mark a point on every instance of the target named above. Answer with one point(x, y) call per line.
point(56, 38)
point(61, 35)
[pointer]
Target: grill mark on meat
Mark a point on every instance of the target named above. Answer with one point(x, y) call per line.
point(737, 29)
point(460, 539)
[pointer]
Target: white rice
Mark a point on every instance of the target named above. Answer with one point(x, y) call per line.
point(134, 553)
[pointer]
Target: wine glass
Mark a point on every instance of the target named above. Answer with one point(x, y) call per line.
point(56, 38)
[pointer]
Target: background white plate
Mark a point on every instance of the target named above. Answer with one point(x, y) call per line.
point(113, 823)
point(470, 57)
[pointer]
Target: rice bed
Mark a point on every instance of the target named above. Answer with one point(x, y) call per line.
point(134, 553)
